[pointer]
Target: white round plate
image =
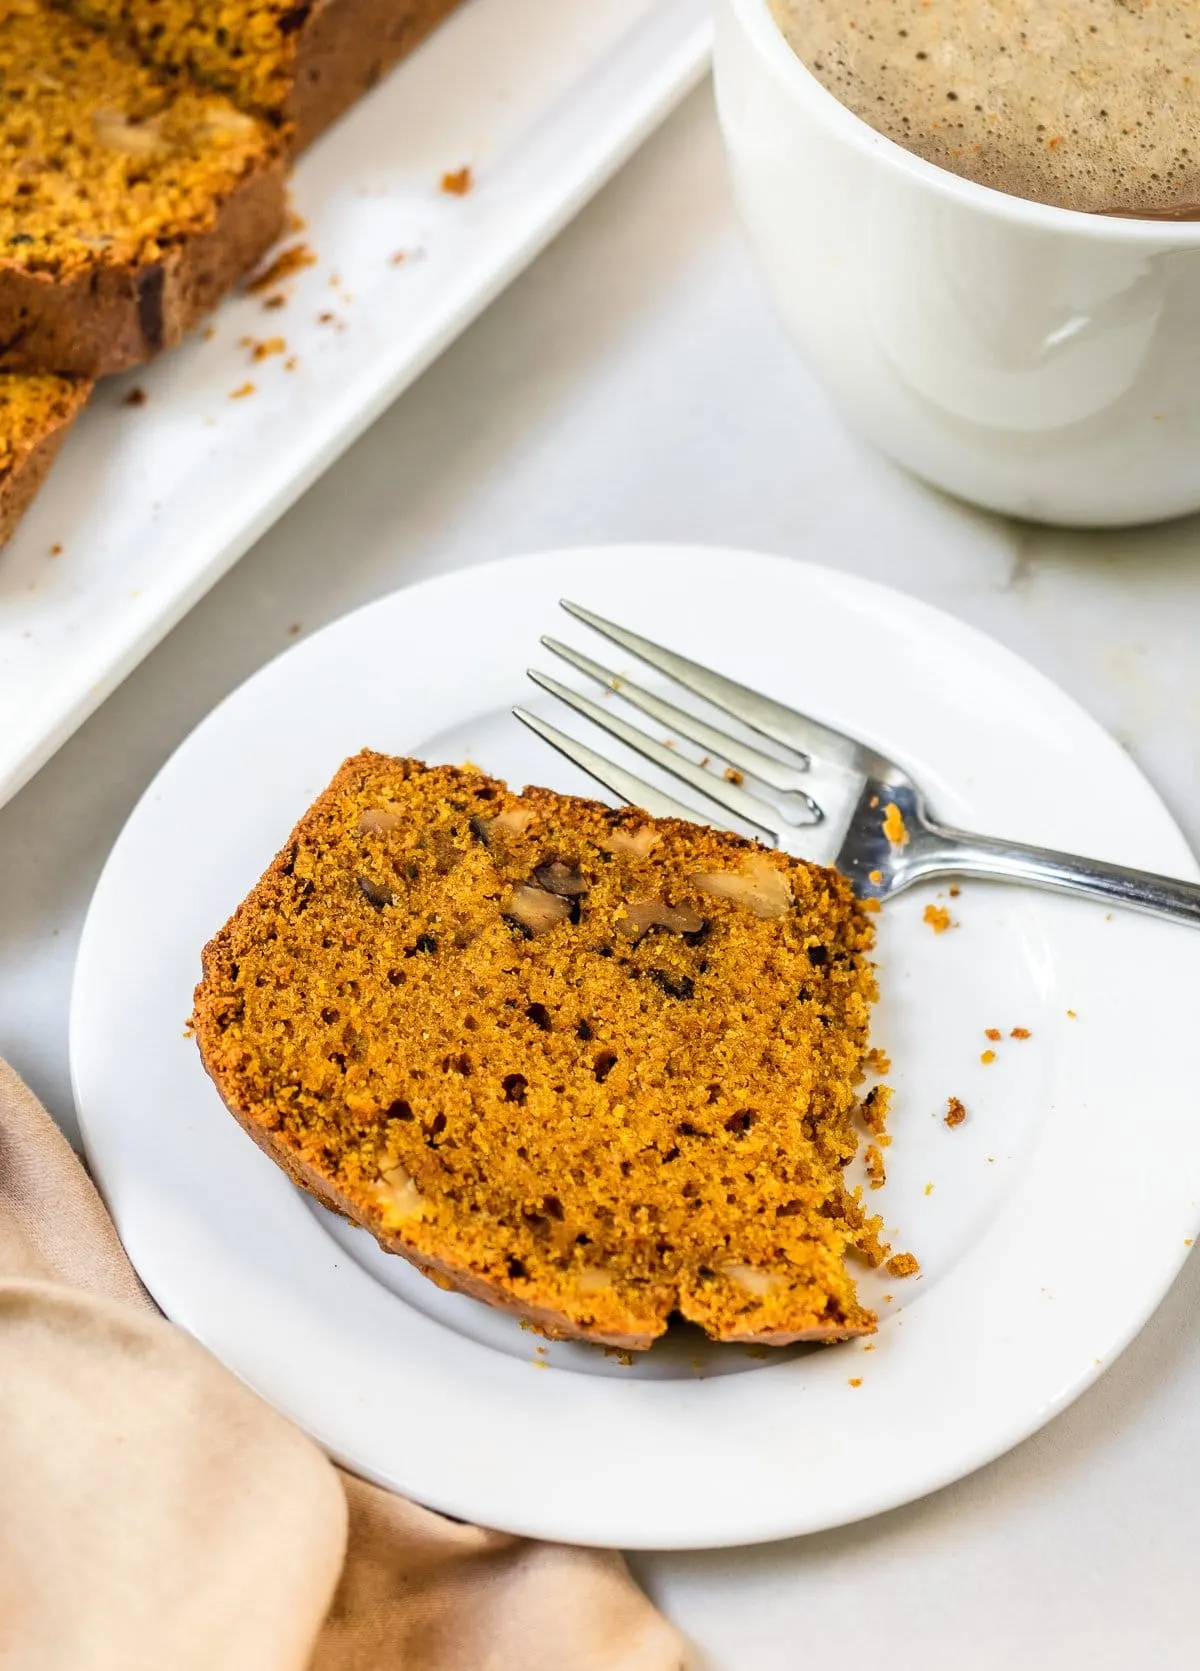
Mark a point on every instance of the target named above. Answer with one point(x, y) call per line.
point(1048, 1226)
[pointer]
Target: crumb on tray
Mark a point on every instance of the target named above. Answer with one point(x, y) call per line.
point(287, 263)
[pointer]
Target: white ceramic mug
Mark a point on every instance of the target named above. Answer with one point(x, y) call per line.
point(1035, 360)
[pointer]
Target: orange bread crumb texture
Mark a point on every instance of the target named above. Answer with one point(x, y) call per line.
point(595, 1068)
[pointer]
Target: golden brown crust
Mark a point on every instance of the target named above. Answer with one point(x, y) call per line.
point(344, 49)
point(111, 318)
point(20, 481)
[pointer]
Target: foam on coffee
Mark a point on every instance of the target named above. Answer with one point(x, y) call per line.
point(1089, 104)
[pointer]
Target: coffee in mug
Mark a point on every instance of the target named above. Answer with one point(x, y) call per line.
point(1086, 104)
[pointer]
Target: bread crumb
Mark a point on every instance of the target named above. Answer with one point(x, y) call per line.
point(208, 333)
point(135, 397)
point(56, 549)
point(894, 827)
point(876, 1176)
point(399, 258)
point(295, 222)
point(954, 892)
point(539, 1363)
point(278, 300)
point(294, 629)
point(929, 1189)
point(241, 392)
point(1020, 1033)
point(877, 1060)
point(988, 1056)
point(939, 918)
point(263, 349)
point(285, 265)
point(875, 1108)
point(732, 775)
point(902, 1264)
point(1072, 1015)
point(855, 1381)
point(874, 906)
point(956, 1113)
point(888, 1298)
point(625, 1359)
point(458, 182)
point(869, 1347)
point(992, 1033)
point(875, 876)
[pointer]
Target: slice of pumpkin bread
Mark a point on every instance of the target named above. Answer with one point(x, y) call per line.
point(35, 414)
point(592, 1067)
point(130, 202)
point(298, 65)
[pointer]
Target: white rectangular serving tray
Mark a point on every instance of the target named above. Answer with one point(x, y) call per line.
point(152, 502)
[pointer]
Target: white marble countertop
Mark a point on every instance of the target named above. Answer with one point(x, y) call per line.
point(634, 385)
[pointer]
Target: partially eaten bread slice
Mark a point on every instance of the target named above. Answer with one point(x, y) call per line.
point(592, 1067)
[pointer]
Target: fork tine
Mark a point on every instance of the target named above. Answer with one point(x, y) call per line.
point(629, 787)
point(761, 713)
point(744, 756)
point(733, 799)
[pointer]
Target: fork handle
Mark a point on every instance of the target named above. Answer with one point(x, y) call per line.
point(938, 850)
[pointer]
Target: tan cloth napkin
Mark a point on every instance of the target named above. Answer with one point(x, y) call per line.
point(155, 1515)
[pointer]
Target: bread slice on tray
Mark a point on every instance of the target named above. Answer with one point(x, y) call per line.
point(35, 414)
point(298, 65)
point(594, 1068)
point(130, 201)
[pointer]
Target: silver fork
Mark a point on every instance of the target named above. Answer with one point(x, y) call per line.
point(835, 802)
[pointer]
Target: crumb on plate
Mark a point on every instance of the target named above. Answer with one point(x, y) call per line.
point(939, 919)
point(1020, 1033)
point(241, 391)
point(876, 1176)
point(457, 182)
point(988, 1057)
point(902, 1264)
point(956, 1112)
point(875, 1108)
point(136, 397)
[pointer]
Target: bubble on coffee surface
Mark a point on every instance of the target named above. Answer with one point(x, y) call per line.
point(1089, 104)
